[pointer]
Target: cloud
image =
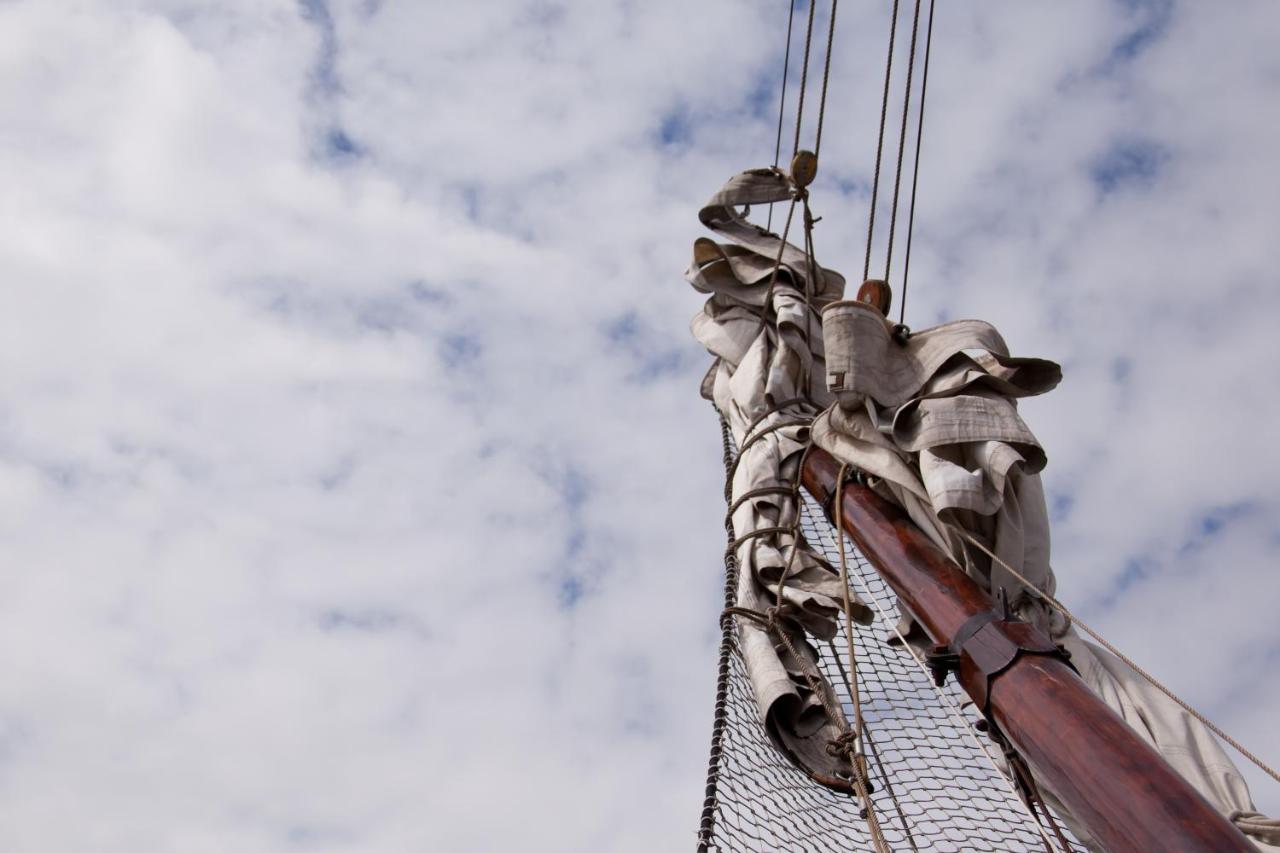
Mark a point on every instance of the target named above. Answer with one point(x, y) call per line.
point(354, 484)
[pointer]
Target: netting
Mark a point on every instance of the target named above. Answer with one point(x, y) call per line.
point(935, 777)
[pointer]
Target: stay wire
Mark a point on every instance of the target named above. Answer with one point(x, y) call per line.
point(782, 96)
point(826, 77)
point(915, 176)
point(804, 74)
point(884, 112)
point(902, 140)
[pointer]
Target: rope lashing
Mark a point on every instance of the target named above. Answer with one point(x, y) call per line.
point(842, 743)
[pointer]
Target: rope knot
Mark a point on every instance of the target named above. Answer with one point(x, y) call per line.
point(843, 744)
point(774, 615)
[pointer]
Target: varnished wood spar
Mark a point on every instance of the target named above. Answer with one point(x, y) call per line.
point(1113, 782)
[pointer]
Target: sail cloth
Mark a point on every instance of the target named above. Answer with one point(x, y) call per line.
point(934, 422)
point(768, 381)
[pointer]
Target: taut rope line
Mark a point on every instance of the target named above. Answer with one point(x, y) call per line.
point(804, 74)
point(826, 76)
point(859, 724)
point(884, 112)
point(782, 97)
point(902, 141)
point(1049, 599)
point(915, 176)
point(866, 593)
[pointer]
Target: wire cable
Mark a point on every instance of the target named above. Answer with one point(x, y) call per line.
point(902, 141)
point(915, 176)
point(782, 96)
point(884, 112)
point(804, 75)
point(826, 76)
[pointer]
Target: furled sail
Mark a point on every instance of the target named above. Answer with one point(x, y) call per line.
point(761, 324)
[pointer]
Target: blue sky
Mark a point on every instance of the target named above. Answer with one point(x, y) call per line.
point(354, 483)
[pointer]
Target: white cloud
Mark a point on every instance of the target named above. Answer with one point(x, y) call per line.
point(342, 350)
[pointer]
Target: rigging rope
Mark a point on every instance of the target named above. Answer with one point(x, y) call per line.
point(915, 176)
point(804, 74)
point(776, 619)
point(884, 112)
point(826, 76)
point(706, 823)
point(859, 723)
point(866, 730)
point(866, 593)
point(902, 141)
point(782, 97)
point(1049, 599)
point(756, 799)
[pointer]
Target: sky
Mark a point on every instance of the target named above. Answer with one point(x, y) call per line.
point(355, 489)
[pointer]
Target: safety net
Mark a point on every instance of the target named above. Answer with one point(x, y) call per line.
point(934, 774)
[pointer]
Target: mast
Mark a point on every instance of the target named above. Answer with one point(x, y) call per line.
point(1113, 782)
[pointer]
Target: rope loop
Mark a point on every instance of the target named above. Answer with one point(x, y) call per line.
point(776, 614)
point(843, 744)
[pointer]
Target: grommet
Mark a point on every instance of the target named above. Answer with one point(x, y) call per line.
point(804, 168)
point(875, 291)
point(901, 333)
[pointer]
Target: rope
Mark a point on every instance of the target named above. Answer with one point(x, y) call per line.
point(845, 741)
point(860, 726)
point(884, 112)
point(1049, 599)
point(782, 97)
point(767, 306)
point(706, 825)
point(761, 434)
point(1037, 799)
point(796, 533)
point(826, 76)
point(761, 531)
point(804, 74)
point(759, 493)
point(928, 678)
point(902, 140)
point(773, 619)
point(866, 730)
point(915, 176)
point(774, 409)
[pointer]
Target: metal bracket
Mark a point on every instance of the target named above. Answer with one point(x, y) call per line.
point(986, 645)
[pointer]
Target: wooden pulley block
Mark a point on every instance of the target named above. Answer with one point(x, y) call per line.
point(875, 291)
point(804, 168)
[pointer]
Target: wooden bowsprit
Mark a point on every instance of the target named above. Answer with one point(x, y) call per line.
point(1113, 782)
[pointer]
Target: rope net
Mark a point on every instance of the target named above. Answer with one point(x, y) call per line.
point(936, 786)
